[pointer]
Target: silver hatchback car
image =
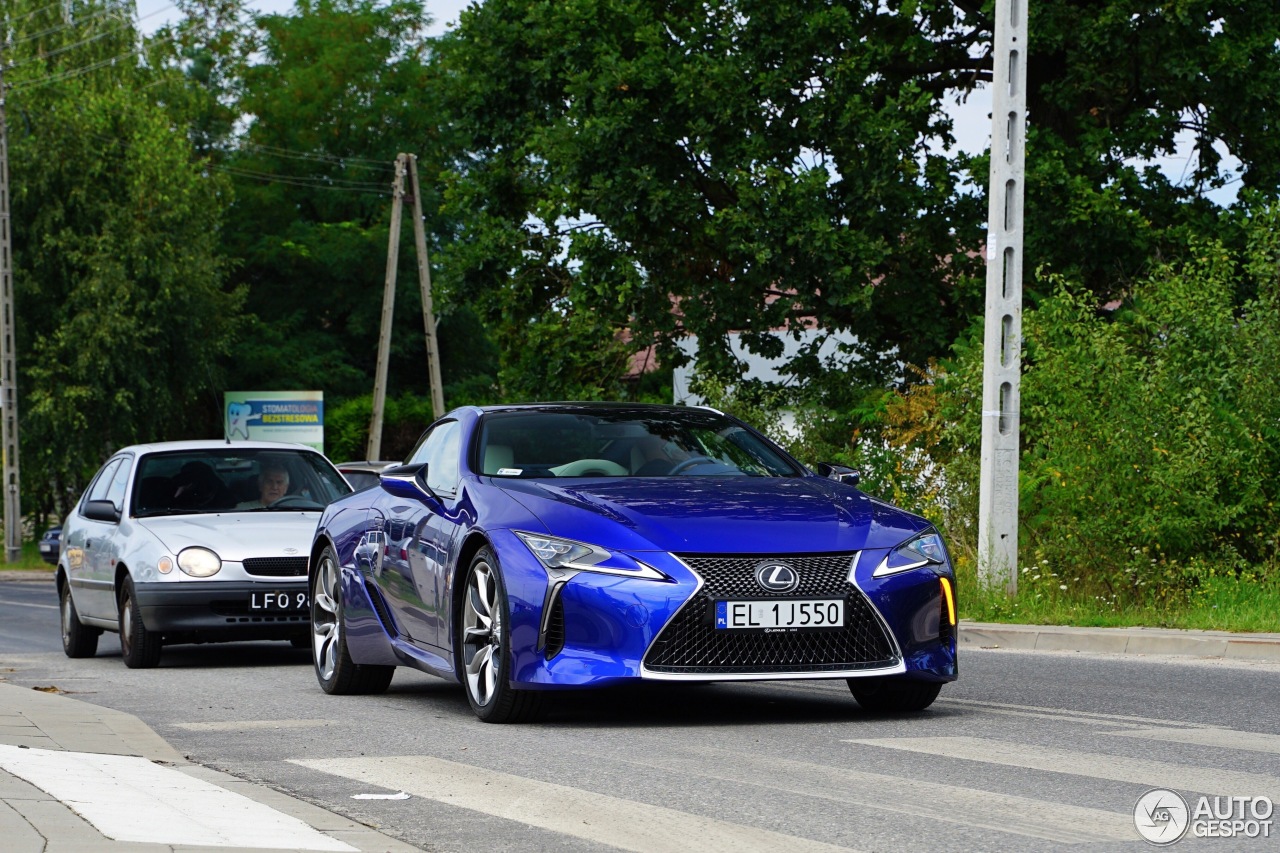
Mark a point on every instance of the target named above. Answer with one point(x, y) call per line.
point(192, 542)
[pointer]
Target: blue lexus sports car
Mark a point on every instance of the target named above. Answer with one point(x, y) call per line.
point(572, 545)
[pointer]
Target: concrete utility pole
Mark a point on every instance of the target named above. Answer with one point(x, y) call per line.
point(1002, 338)
point(374, 449)
point(424, 282)
point(8, 356)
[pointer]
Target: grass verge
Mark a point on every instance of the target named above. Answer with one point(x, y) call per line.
point(28, 561)
point(1219, 603)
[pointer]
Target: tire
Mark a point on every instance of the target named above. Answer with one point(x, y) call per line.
point(337, 673)
point(484, 647)
point(78, 640)
point(139, 647)
point(893, 696)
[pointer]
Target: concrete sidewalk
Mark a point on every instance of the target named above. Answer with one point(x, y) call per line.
point(67, 745)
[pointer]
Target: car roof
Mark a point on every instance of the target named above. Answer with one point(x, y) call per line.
point(600, 406)
point(212, 444)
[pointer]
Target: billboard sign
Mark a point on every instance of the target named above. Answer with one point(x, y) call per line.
point(296, 416)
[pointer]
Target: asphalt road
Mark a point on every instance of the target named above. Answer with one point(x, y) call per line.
point(1026, 752)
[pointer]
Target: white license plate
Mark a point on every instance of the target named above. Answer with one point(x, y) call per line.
point(780, 615)
point(278, 601)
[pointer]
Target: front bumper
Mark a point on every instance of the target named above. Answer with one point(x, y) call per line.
point(605, 629)
point(194, 611)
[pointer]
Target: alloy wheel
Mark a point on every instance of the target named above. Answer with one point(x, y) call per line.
point(481, 634)
point(326, 627)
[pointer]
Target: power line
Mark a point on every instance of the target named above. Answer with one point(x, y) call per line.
point(35, 12)
point(308, 183)
point(78, 22)
point(320, 179)
point(85, 69)
point(131, 23)
point(336, 159)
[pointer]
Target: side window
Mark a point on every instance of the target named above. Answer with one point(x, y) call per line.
point(440, 451)
point(115, 492)
point(101, 483)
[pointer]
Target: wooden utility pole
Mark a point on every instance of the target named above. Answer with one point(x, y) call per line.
point(424, 282)
point(374, 449)
point(1002, 339)
point(8, 355)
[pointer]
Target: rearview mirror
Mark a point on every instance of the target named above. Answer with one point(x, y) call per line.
point(839, 473)
point(102, 511)
point(407, 481)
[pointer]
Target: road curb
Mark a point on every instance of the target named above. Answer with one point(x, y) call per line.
point(1123, 641)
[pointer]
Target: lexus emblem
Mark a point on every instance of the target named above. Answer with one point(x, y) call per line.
point(773, 576)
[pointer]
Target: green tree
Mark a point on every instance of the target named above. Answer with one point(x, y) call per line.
point(121, 313)
point(672, 168)
point(695, 167)
point(339, 88)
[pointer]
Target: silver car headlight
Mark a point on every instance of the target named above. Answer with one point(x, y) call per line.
point(199, 562)
point(927, 549)
point(561, 555)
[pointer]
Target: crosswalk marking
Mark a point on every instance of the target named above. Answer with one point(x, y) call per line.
point(582, 814)
point(1157, 774)
point(948, 803)
point(1220, 738)
point(1066, 713)
point(112, 792)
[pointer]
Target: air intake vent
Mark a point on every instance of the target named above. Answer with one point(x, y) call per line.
point(276, 567)
point(555, 629)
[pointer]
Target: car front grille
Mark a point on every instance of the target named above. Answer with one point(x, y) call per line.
point(276, 567)
point(690, 643)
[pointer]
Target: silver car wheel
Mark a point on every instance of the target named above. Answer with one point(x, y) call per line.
point(482, 634)
point(326, 628)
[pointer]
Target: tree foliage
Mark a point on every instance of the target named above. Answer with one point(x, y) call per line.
point(674, 168)
point(340, 87)
point(678, 168)
point(121, 313)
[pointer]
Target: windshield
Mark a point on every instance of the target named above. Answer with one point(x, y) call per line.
point(625, 442)
point(234, 480)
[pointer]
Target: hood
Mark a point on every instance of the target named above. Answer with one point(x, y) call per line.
point(235, 536)
point(723, 515)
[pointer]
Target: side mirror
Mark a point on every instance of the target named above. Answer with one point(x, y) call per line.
point(102, 511)
point(839, 473)
point(407, 481)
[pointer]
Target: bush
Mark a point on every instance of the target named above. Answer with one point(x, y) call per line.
point(346, 430)
point(1149, 434)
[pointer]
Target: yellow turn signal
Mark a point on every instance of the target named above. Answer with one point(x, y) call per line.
point(951, 600)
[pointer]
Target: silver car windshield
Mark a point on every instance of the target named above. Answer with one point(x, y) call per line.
point(234, 480)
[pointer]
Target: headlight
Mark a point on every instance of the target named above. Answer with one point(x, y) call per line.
point(561, 555)
point(923, 550)
point(199, 562)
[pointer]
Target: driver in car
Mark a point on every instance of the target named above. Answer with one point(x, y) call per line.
point(273, 484)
